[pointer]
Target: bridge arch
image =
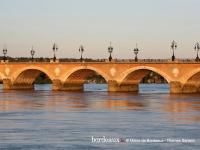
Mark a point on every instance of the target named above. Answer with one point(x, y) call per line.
point(29, 74)
point(191, 81)
point(142, 71)
point(195, 73)
point(86, 69)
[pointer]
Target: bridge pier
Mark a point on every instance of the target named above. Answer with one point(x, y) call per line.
point(113, 86)
point(191, 88)
point(8, 85)
point(56, 85)
point(178, 88)
point(67, 86)
point(23, 86)
point(175, 87)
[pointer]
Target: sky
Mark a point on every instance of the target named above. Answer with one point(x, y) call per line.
point(152, 24)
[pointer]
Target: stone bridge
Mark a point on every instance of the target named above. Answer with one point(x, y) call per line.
point(120, 76)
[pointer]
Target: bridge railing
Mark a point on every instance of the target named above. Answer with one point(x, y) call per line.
point(158, 61)
point(71, 60)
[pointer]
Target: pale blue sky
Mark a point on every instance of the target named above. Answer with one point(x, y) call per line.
point(153, 24)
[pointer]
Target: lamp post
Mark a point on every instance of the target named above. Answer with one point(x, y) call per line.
point(173, 47)
point(81, 50)
point(32, 53)
point(110, 50)
point(4, 53)
point(136, 51)
point(55, 48)
point(197, 48)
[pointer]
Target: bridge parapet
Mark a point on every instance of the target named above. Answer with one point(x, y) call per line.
point(88, 60)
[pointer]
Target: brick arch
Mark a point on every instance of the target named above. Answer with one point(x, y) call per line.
point(126, 73)
point(189, 75)
point(31, 72)
point(72, 71)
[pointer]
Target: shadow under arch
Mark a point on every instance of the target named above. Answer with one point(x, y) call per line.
point(138, 73)
point(25, 78)
point(191, 82)
point(34, 71)
point(1, 79)
point(87, 70)
point(192, 75)
point(82, 78)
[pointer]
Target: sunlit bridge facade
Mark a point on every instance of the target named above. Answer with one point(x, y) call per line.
point(182, 77)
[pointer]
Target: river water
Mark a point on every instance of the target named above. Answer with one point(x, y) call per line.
point(97, 119)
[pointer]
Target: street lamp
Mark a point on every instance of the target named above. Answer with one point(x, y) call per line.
point(4, 53)
point(110, 50)
point(81, 50)
point(136, 50)
point(197, 48)
point(173, 47)
point(55, 48)
point(32, 53)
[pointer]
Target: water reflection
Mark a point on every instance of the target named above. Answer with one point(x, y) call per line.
point(32, 118)
point(118, 105)
point(16, 100)
point(178, 107)
point(183, 107)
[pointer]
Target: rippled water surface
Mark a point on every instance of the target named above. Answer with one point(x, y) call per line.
point(44, 119)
